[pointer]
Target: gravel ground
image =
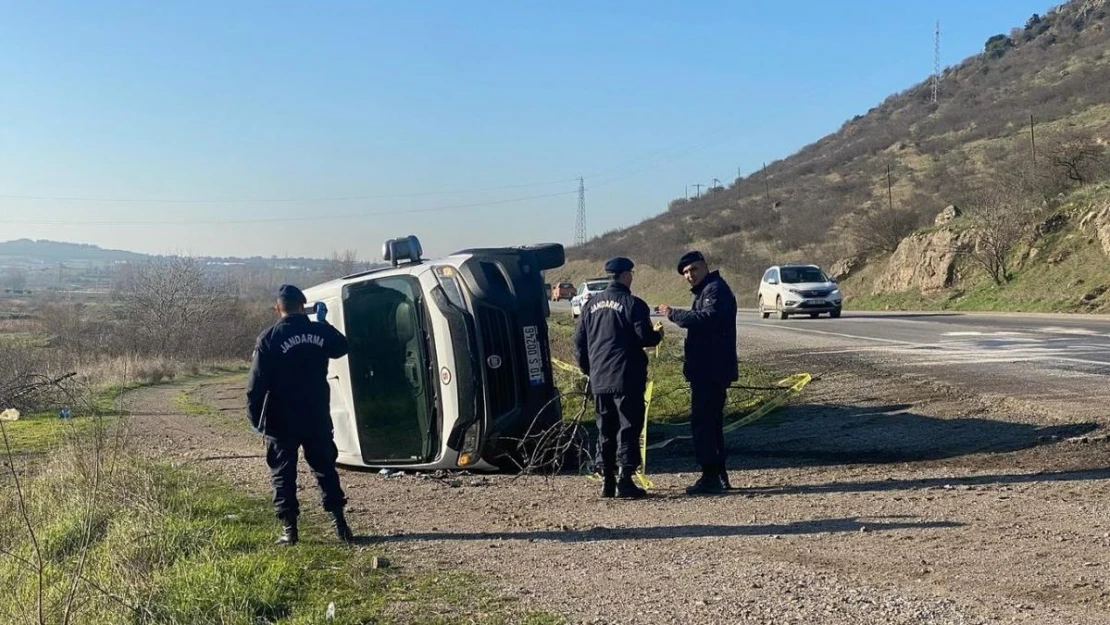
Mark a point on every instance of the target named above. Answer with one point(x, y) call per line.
point(880, 496)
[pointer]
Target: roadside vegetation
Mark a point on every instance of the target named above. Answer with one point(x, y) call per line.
point(93, 531)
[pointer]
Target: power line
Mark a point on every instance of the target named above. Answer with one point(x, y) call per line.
point(215, 222)
point(349, 198)
point(685, 149)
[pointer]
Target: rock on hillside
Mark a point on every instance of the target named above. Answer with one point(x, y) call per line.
point(925, 261)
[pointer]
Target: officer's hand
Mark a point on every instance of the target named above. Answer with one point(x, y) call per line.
point(663, 309)
point(321, 312)
point(659, 327)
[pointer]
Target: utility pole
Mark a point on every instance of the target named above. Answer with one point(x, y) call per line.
point(716, 182)
point(766, 187)
point(698, 186)
point(1032, 141)
point(936, 62)
point(687, 192)
point(889, 190)
point(580, 220)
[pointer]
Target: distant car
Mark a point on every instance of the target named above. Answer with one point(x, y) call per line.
point(798, 290)
point(563, 290)
point(585, 290)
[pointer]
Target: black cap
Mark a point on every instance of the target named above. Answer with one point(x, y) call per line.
point(619, 264)
point(689, 258)
point(291, 294)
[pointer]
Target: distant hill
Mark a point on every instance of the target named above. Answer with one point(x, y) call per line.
point(45, 251)
point(831, 199)
point(55, 251)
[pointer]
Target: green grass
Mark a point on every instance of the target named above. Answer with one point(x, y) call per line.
point(41, 432)
point(670, 401)
point(171, 545)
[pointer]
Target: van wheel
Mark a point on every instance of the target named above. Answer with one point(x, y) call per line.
point(763, 312)
point(778, 307)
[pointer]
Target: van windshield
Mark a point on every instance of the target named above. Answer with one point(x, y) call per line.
point(597, 285)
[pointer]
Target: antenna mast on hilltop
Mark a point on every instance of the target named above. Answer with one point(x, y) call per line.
point(936, 62)
point(580, 221)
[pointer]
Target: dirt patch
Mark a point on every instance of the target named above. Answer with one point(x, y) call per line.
point(879, 499)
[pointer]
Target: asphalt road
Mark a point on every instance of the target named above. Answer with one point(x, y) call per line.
point(1056, 362)
point(1059, 361)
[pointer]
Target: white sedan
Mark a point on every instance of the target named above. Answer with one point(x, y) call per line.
point(585, 290)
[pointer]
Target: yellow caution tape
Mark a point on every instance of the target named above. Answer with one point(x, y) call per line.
point(565, 366)
point(791, 385)
point(641, 473)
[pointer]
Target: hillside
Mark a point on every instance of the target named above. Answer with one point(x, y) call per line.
point(46, 251)
point(831, 199)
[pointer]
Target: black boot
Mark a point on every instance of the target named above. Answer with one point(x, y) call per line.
point(725, 484)
point(342, 530)
point(289, 535)
point(708, 484)
point(626, 488)
point(609, 483)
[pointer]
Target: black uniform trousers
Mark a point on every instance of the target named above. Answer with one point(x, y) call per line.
point(707, 422)
point(620, 420)
point(320, 453)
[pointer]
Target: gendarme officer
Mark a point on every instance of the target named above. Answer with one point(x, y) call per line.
point(609, 341)
point(710, 365)
point(288, 403)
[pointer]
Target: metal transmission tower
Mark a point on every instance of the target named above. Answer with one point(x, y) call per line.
point(936, 62)
point(580, 222)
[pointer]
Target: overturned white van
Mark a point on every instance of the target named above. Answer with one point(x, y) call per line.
point(449, 364)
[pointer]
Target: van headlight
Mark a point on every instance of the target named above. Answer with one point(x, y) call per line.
point(448, 278)
point(468, 454)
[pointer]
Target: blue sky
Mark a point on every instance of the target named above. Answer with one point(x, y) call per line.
point(217, 128)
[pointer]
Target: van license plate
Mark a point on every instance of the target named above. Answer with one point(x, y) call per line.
point(535, 358)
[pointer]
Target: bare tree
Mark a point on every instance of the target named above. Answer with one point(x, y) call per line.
point(166, 301)
point(882, 230)
point(1077, 156)
point(998, 220)
point(342, 264)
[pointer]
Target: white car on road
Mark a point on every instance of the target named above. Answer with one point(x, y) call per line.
point(585, 291)
point(798, 290)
